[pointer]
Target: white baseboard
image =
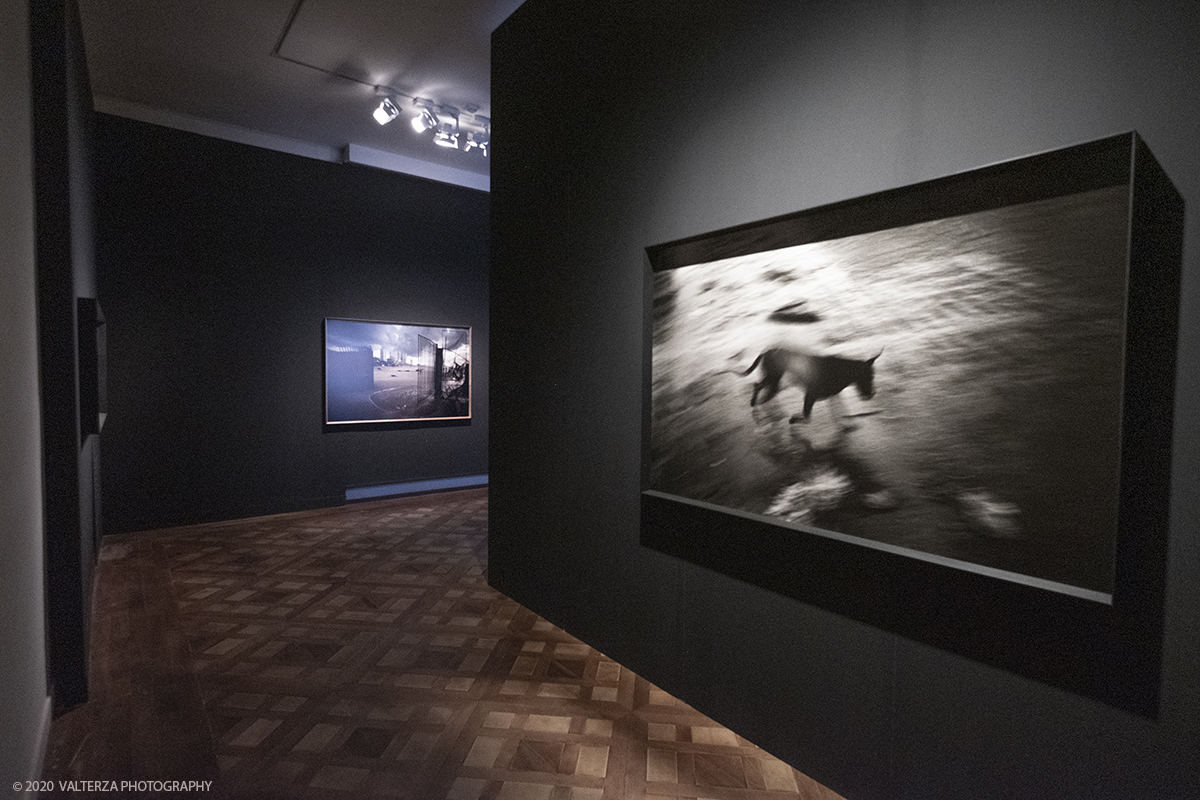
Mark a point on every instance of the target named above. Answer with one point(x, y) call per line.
point(415, 487)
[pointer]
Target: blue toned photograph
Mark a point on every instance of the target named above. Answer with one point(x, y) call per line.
point(396, 372)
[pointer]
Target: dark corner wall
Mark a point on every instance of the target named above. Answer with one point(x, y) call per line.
point(66, 273)
point(218, 263)
point(686, 121)
point(26, 708)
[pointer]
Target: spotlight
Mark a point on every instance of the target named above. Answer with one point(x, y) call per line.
point(446, 136)
point(425, 119)
point(476, 139)
point(386, 112)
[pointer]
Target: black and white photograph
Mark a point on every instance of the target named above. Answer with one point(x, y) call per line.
point(951, 387)
point(395, 372)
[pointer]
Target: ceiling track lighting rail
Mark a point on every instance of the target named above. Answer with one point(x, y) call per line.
point(428, 114)
point(445, 121)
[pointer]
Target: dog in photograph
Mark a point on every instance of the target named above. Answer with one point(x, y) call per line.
point(821, 377)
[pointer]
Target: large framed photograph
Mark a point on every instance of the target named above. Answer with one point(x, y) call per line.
point(389, 372)
point(964, 384)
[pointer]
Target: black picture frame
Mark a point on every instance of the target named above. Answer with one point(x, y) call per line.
point(1099, 635)
point(92, 346)
point(387, 374)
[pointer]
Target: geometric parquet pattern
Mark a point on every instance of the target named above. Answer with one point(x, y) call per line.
point(358, 652)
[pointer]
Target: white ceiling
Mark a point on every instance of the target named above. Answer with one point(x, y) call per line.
point(297, 74)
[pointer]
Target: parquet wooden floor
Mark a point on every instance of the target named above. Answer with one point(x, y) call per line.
point(358, 652)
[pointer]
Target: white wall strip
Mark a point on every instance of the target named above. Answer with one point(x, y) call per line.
point(415, 487)
point(357, 154)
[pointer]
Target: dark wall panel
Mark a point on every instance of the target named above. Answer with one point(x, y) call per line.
point(62, 137)
point(690, 122)
point(23, 673)
point(218, 263)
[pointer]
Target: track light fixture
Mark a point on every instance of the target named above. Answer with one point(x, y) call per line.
point(425, 120)
point(445, 133)
point(443, 120)
point(446, 136)
point(386, 112)
point(477, 140)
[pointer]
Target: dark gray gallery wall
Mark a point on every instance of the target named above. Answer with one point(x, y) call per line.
point(218, 263)
point(690, 117)
point(24, 701)
point(62, 146)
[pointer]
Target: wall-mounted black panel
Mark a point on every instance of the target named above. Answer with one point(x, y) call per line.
point(93, 366)
point(62, 135)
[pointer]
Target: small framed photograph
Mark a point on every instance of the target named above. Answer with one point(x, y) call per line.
point(388, 372)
